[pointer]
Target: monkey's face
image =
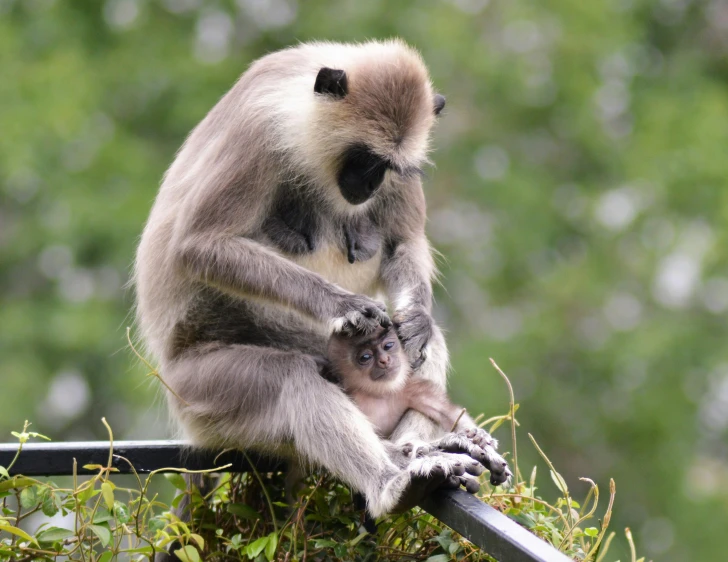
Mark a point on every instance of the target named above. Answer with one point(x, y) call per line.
point(361, 174)
point(375, 119)
point(375, 364)
point(380, 360)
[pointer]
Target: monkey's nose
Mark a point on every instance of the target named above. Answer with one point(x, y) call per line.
point(383, 361)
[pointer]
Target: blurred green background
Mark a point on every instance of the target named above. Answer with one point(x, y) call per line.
point(579, 200)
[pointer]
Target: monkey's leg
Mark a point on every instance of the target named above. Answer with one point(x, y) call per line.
point(261, 398)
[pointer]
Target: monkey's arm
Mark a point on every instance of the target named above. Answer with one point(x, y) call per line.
point(407, 273)
point(429, 399)
point(243, 267)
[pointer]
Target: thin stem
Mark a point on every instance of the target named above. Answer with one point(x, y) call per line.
point(630, 540)
point(457, 421)
point(591, 512)
point(607, 543)
point(512, 411)
point(565, 491)
point(153, 372)
point(607, 518)
point(265, 491)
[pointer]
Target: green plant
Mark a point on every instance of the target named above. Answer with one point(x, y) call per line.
point(245, 517)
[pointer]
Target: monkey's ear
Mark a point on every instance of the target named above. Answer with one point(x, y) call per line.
point(439, 103)
point(331, 82)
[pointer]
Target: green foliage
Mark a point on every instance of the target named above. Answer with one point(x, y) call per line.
point(579, 197)
point(245, 517)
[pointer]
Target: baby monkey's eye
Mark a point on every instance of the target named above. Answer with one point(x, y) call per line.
point(365, 358)
point(389, 345)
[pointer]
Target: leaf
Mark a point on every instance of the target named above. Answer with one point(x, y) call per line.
point(140, 550)
point(121, 512)
point(176, 480)
point(87, 493)
point(270, 548)
point(22, 437)
point(559, 481)
point(16, 482)
point(107, 491)
point(591, 531)
point(438, 558)
point(49, 506)
point(256, 547)
point(244, 511)
point(36, 435)
point(17, 532)
point(106, 556)
point(199, 540)
point(29, 497)
point(93, 466)
point(357, 539)
point(102, 533)
point(188, 554)
point(4, 472)
point(102, 516)
point(444, 541)
point(156, 524)
point(53, 534)
point(324, 543)
point(177, 500)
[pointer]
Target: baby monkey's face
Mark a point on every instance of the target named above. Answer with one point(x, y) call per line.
point(374, 363)
point(379, 358)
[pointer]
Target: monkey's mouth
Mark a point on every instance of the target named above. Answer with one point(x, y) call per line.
point(362, 173)
point(382, 375)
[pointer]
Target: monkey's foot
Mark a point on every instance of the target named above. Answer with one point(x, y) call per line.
point(435, 470)
point(479, 445)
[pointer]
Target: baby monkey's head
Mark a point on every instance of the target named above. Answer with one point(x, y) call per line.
point(373, 363)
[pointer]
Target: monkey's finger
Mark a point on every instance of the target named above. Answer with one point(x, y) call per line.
point(471, 484)
point(470, 465)
point(417, 363)
point(452, 483)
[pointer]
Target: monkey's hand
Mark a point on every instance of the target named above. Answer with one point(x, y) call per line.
point(358, 314)
point(414, 328)
point(477, 444)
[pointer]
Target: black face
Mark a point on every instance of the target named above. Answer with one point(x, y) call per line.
point(381, 358)
point(361, 174)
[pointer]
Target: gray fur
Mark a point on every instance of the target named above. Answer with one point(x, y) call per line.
point(238, 290)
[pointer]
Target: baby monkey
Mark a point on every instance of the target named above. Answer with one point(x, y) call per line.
point(374, 371)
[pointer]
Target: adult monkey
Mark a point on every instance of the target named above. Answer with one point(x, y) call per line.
point(294, 202)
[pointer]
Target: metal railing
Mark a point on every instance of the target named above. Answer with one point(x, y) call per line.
point(482, 525)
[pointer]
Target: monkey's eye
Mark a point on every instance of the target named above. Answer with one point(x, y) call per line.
point(389, 345)
point(365, 358)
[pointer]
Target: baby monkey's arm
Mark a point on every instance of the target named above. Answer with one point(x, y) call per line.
point(429, 399)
